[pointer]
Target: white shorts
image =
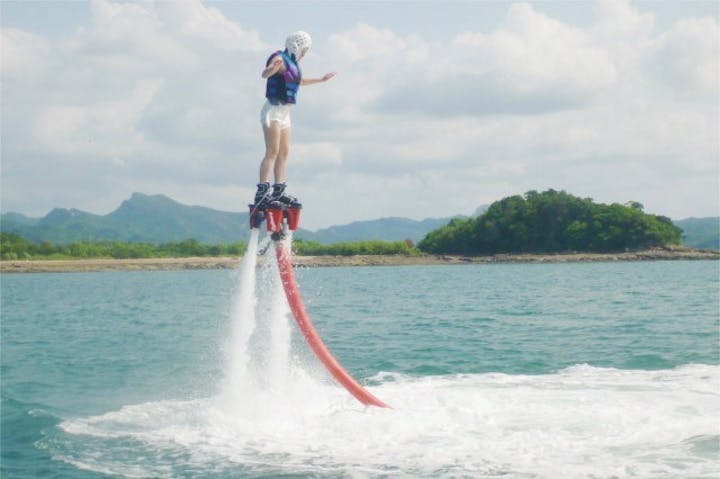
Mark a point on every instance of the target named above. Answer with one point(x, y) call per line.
point(279, 113)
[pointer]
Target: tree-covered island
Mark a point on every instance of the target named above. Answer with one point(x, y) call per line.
point(552, 222)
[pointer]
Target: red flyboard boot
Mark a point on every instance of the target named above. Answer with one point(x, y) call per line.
point(293, 218)
point(274, 218)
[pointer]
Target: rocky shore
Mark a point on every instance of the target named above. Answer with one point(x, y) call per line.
point(150, 264)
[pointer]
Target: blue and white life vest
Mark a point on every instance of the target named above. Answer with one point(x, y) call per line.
point(283, 87)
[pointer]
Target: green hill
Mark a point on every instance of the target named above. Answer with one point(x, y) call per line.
point(703, 233)
point(142, 218)
point(550, 222)
point(158, 219)
point(383, 229)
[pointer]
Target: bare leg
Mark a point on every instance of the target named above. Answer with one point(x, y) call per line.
point(282, 156)
point(272, 148)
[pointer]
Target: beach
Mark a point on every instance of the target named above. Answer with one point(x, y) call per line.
point(230, 262)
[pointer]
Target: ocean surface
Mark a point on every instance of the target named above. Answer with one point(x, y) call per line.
point(587, 370)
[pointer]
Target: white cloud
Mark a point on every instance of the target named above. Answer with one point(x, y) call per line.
point(620, 20)
point(532, 64)
point(317, 155)
point(149, 90)
point(164, 97)
point(23, 53)
point(365, 42)
point(687, 57)
point(193, 20)
point(533, 51)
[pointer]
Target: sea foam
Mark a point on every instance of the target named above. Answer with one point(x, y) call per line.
point(277, 413)
point(579, 422)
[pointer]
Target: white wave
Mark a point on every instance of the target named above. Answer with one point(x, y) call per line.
point(579, 422)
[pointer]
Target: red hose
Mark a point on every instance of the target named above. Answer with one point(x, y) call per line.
point(311, 335)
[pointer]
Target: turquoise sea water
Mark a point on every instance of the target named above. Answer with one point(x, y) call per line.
point(539, 370)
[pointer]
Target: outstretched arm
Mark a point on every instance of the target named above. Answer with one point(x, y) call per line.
point(311, 81)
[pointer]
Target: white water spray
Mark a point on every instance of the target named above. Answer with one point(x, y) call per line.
point(243, 320)
point(264, 382)
point(278, 361)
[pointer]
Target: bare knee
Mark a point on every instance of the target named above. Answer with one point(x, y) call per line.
point(282, 156)
point(284, 145)
point(272, 154)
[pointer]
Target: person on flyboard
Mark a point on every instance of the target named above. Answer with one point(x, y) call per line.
point(273, 204)
point(284, 78)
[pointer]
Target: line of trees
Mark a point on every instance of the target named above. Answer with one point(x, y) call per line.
point(14, 247)
point(552, 222)
point(370, 247)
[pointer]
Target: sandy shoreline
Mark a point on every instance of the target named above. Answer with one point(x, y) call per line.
point(151, 264)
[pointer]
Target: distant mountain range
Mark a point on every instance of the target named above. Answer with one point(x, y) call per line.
point(388, 229)
point(703, 233)
point(159, 219)
point(142, 218)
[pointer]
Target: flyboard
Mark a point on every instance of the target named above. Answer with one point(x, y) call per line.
point(278, 219)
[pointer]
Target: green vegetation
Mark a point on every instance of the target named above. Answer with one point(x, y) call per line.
point(371, 247)
point(547, 222)
point(552, 222)
point(13, 247)
point(701, 233)
point(142, 218)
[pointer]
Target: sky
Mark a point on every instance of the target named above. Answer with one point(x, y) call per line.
point(437, 107)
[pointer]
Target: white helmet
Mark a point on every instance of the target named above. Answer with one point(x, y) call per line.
point(297, 42)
